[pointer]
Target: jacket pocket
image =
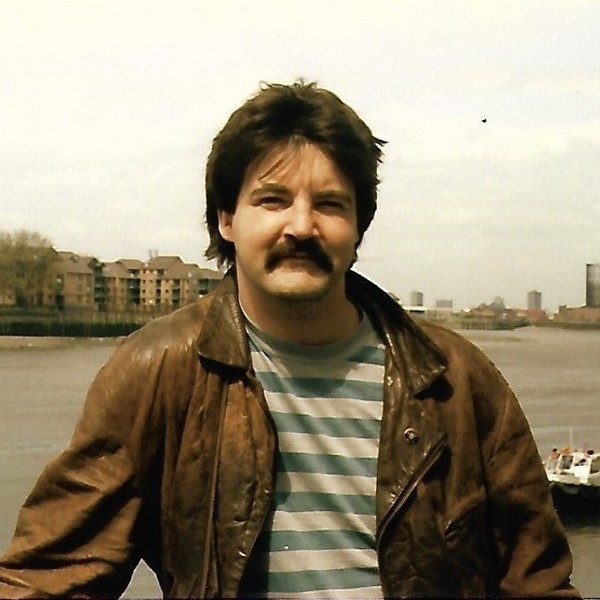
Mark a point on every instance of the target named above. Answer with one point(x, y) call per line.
point(470, 546)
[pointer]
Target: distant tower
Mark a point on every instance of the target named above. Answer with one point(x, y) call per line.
point(534, 300)
point(592, 285)
point(416, 298)
point(447, 304)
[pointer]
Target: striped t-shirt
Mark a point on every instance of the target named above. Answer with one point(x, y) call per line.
point(326, 402)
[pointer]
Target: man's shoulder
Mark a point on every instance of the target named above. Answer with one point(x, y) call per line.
point(453, 344)
point(178, 329)
point(464, 358)
point(442, 335)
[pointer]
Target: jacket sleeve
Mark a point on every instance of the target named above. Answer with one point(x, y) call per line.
point(534, 555)
point(75, 534)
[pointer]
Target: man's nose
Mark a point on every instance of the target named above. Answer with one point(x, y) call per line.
point(301, 220)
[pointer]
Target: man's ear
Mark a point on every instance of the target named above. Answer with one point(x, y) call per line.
point(225, 222)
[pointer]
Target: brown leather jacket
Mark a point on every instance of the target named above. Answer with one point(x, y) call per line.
point(172, 462)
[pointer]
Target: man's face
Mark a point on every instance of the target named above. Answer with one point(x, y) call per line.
point(294, 227)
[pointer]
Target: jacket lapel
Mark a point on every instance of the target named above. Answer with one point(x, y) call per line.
point(409, 441)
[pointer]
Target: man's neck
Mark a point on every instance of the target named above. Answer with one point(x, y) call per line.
point(318, 322)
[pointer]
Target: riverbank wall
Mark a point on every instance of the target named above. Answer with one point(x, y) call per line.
point(73, 325)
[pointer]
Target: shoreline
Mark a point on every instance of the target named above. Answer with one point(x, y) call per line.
point(20, 342)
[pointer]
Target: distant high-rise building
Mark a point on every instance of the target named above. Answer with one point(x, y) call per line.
point(592, 285)
point(416, 298)
point(447, 304)
point(534, 300)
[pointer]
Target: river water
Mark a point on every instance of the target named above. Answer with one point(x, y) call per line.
point(555, 374)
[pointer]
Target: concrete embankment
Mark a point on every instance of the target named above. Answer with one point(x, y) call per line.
point(14, 342)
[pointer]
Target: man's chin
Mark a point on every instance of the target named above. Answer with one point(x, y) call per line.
point(295, 297)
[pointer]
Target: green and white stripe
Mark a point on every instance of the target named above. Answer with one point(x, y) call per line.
point(326, 403)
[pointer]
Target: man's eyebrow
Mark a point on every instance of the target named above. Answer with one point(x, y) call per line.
point(273, 188)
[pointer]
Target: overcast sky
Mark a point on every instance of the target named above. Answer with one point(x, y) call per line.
point(108, 109)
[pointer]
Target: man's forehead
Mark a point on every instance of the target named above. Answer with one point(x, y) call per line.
point(280, 156)
point(284, 161)
point(292, 163)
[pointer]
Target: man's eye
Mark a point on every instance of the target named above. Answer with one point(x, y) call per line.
point(271, 201)
point(332, 204)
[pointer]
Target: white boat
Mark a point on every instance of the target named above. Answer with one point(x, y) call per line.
point(575, 475)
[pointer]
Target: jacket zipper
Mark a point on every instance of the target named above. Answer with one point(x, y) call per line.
point(399, 502)
point(213, 495)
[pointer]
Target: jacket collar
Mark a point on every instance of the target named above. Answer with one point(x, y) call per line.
point(223, 337)
point(412, 351)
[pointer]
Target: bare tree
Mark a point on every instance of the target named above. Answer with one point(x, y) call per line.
point(25, 261)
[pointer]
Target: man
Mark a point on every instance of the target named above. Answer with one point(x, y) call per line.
point(294, 433)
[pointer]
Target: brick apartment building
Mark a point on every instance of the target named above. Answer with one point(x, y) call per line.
point(168, 282)
point(83, 283)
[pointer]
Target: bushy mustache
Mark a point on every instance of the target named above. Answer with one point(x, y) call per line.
point(292, 247)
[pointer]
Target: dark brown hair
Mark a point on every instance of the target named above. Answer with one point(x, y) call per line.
point(279, 112)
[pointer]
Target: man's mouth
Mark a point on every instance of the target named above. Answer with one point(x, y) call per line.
point(299, 259)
